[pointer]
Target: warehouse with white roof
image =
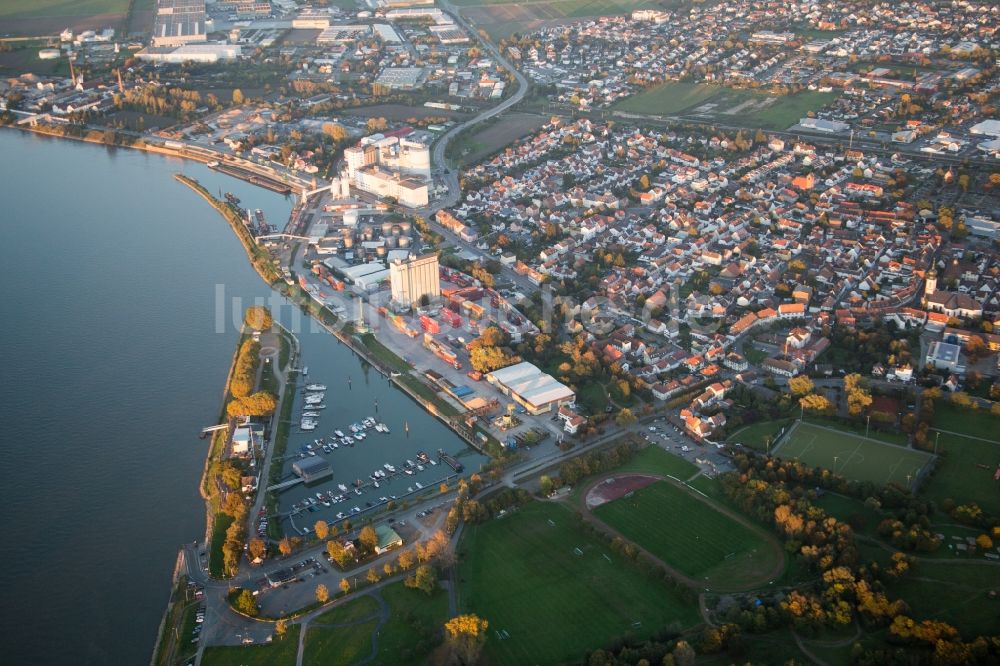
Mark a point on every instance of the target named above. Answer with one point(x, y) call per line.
point(531, 388)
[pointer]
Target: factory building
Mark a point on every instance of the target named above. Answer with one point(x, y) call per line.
point(413, 279)
point(531, 388)
point(179, 22)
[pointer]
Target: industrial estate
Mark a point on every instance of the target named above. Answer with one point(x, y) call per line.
point(703, 295)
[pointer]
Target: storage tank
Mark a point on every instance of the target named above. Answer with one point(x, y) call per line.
point(404, 228)
point(348, 241)
point(351, 217)
point(391, 242)
point(387, 228)
point(380, 251)
point(404, 241)
point(396, 230)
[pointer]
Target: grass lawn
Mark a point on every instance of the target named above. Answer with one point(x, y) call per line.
point(415, 620)
point(858, 428)
point(594, 397)
point(953, 592)
point(384, 354)
point(55, 8)
point(668, 98)
point(281, 652)
point(965, 472)
point(975, 423)
point(489, 139)
point(219, 527)
point(339, 647)
point(359, 609)
point(759, 435)
point(852, 511)
point(546, 604)
point(655, 460)
point(693, 536)
point(851, 455)
point(788, 110)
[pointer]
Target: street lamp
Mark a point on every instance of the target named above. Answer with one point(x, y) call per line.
point(937, 436)
point(868, 422)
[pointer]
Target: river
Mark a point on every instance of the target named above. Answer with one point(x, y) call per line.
point(113, 359)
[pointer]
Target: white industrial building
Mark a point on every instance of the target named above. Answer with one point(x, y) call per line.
point(201, 53)
point(413, 279)
point(531, 388)
point(389, 166)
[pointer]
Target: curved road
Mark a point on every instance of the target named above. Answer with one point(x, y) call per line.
point(437, 152)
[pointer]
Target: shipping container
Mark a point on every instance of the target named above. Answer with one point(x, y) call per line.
point(429, 325)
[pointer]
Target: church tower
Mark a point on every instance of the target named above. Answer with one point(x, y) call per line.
point(930, 285)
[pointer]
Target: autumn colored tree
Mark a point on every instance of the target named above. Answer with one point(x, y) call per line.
point(816, 403)
point(465, 635)
point(322, 529)
point(338, 553)
point(406, 559)
point(368, 539)
point(800, 386)
point(257, 548)
point(424, 578)
point(372, 575)
point(322, 593)
point(345, 585)
point(246, 603)
point(285, 547)
point(280, 627)
point(258, 318)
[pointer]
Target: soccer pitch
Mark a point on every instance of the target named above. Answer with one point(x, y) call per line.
point(851, 455)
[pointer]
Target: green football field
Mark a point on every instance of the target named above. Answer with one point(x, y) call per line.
point(852, 455)
point(551, 592)
point(692, 536)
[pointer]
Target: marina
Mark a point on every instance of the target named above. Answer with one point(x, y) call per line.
point(373, 462)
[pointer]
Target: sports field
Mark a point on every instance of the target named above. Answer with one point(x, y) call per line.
point(965, 472)
point(851, 455)
point(551, 592)
point(694, 537)
point(669, 98)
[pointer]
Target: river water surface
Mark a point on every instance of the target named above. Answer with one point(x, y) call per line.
point(111, 360)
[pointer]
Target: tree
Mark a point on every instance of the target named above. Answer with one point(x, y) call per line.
point(857, 401)
point(546, 485)
point(975, 348)
point(853, 381)
point(257, 548)
point(261, 403)
point(335, 131)
point(406, 559)
point(322, 593)
point(984, 542)
point(683, 654)
point(465, 635)
point(816, 403)
point(285, 547)
point(246, 603)
point(322, 529)
point(258, 318)
point(372, 575)
point(443, 488)
point(424, 578)
point(368, 539)
point(625, 417)
point(237, 96)
point(232, 476)
point(280, 627)
point(800, 385)
point(387, 568)
point(345, 585)
point(338, 553)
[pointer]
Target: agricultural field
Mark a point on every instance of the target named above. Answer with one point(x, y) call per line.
point(502, 18)
point(482, 143)
point(852, 455)
point(694, 537)
point(965, 472)
point(20, 9)
point(279, 653)
point(550, 591)
point(398, 112)
point(669, 98)
point(727, 105)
